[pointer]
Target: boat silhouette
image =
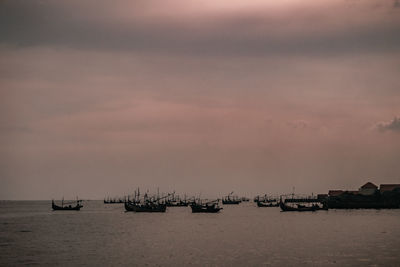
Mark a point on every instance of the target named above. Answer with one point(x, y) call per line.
point(229, 199)
point(67, 205)
point(208, 207)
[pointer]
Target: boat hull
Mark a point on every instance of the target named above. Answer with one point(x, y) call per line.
point(55, 207)
point(145, 208)
point(267, 205)
point(285, 207)
point(204, 209)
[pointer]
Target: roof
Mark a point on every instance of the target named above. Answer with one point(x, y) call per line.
point(334, 193)
point(369, 185)
point(388, 187)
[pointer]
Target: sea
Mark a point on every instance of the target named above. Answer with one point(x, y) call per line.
point(31, 234)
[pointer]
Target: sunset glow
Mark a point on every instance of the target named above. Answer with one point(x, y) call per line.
point(183, 94)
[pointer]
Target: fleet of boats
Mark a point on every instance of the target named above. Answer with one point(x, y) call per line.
point(367, 197)
point(157, 203)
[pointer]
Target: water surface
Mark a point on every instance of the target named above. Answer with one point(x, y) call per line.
point(240, 235)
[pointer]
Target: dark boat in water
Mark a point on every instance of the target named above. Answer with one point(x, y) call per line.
point(208, 207)
point(147, 207)
point(78, 205)
point(266, 201)
point(177, 204)
point(298, 207)
point(229, 200)
point(176, 201)
point(267, 204)
point(302, 204)
point(146, 204)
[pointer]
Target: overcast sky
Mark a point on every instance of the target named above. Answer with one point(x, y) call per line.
point(99, 97)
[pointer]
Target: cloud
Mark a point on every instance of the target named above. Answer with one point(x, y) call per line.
point(288, 29)
point(160, 90)
point(393, 125)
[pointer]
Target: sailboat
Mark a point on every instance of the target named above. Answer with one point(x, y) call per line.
point(208, 207)
point(147, 204)
point(229, 199)
point(267, 201)
point(67, 205)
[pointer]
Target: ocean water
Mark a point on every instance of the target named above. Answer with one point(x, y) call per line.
point(240, 235)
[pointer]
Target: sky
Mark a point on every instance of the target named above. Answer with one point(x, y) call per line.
point(201, 97)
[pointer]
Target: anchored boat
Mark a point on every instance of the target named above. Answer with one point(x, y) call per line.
point(229, 199)
point(67, 205)
point(146, 207)
point(208, 207)
point(146, 204)
point(301, 204)
point(267, 201)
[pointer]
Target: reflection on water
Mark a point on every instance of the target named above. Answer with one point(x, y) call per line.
point(241, 235)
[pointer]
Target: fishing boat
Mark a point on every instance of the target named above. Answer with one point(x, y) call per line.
point(267, 204)
point(208, 207)
point(298, 207)
point(146, 207)
point(229, 200)
point(301, 204)
point(67, 205)
point(176, 201)
point(267, 201)
point(177, 204)
point(146, 204)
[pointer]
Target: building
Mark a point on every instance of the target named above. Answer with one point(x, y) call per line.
point(335, 193)
point(388, 187)
point(368, 189)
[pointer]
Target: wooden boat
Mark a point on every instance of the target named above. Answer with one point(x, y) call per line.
point(266, 201)
point(176, 201)
point(298, 207)
point(147, 204)
point(148, 207)
point(229, 200)
point(78, 206)
point(267, 204)
point(298, 203)
point(209, 207)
